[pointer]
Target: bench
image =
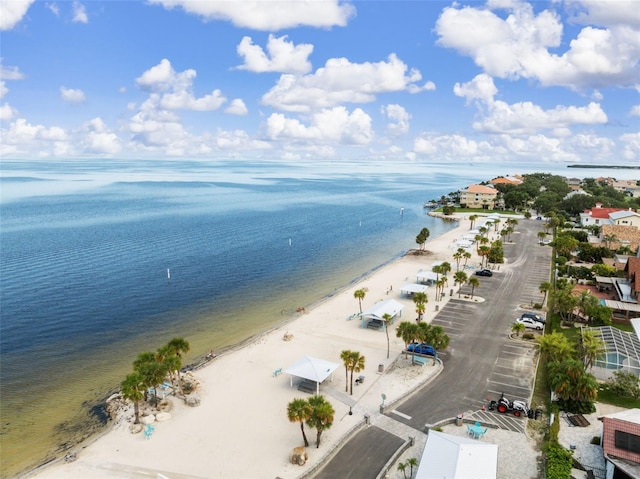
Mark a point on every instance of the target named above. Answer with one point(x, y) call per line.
point(307, 386)
point(373, 324)
point(420, 360)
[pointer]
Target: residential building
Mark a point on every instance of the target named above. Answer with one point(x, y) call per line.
point(478, 196)
point(597, 216)
point(621, 444)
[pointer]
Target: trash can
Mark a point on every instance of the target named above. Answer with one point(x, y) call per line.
point(437, 307)
point(458, 420)
point(451, 292)
point(367, 419)
point(380, 368)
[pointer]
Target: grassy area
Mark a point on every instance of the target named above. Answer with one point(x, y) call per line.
point(608, 397)
point(480, 210)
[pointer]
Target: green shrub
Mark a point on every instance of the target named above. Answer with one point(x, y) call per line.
point(559, 461)
point(595, 440)
point(528, 336)
point(624, 384)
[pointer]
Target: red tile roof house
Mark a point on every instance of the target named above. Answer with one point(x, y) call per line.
point(597, 216)
point(621, 443)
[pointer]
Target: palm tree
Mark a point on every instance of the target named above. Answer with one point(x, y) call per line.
point(420, 299)
point(321, 417)
point(591, 348)
point(544, 289)
point(518, 328)
point(422, 237)
point(356, 364)
point(473, 219)
point(174, 350)
point(412, 462)
point(474, 282)
point(555, 346)
point(484, 251)
point(461, 278)
point(445, 267)
point(570, 382)
point(345, 355)
point(407, 331)
point(299, 410)
point(151, 369)
point(541, 236)
point(438, 338)
point(387, 322)
point(608, 239)
point(133, 390)
point(402, 467)
point(467, 257)
point(359, 294)
point(458, 255)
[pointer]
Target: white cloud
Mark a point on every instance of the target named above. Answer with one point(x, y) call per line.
point(399, 117)
point(7, 112)
point(97, 139)
point(3, 89)
point(480, 88)
point(635, 110)
point(237, 107)
point(72, 95)
point(269, 16)
point(53, 8)
point(327, 126)
point(11, 12)
point(10, 73)
point(79, 13)
point(527, 118)
point(281, 56)
point(237, 140)
point(338, 82)
point(604, 12)
point(631, 148)
point(521, 45)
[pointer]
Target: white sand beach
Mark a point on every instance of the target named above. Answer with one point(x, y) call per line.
point(240, 428)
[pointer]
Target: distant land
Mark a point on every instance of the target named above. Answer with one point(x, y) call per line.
point(614, 167)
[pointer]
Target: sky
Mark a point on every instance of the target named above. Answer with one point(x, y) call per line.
point(424, 81)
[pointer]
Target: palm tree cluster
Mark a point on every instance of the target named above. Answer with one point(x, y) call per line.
point(441, 281)
point(316, 412)
point(568, 365)
point(422, 333)
point(411, 463)
point(150, 369)
point(353, 363)
point(584, 306)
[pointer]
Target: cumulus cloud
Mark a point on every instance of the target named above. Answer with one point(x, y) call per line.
point(237, 107)
point(399, 117)
point(10, 73)
point(635, 110)
point(480, 88)
point(269, 16)
point(72, 95)
point(328, 125)
point(524, 44)
point(7, 112)
point(338, 82)
point(79, 13)
point(281, 56)
point(97, 139)
point(12, 12)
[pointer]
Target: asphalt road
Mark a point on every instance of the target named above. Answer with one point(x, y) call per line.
point(481, 361)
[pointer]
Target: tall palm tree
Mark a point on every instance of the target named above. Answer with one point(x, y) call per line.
point(438, 338)
point(541, 236)
point(356, 364)
point(133, 390)
point(461, 278)
point(544, 289)
point(359, 294)
point(608, 239)
point(570, 382)
point(407, 331)
point(322, 414)
point(412, 462)
point(420, 299)
point(299, 410)
point(402, 467)
point(445, 267)
point(591, 348)
point(473, 219)
point(467, 257)
point(345, 355)
point(387, 322)
point(555, 346)
point(457, 256)
point(474, 283)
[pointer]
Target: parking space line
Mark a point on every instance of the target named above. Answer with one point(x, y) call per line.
point(402, 415)
point(511, 385)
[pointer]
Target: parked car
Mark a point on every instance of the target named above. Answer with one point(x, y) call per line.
point(534, 316)
point(422, 348)
point(484, 272)
point(530, 323)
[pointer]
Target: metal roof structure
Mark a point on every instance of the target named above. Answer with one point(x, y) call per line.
point(622, 351)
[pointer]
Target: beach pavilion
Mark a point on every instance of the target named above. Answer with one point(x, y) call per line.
point(428, 277)
point(374, 316)
point(410, 289)
point(311, 369)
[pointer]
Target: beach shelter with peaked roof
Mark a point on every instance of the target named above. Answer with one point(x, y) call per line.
point(312, 369)
point(428, 277)
point(411, 288)
point(376, 313)
point(453, 457)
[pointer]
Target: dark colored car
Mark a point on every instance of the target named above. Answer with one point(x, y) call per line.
point(534, 316)
point(422, 348)
point(484, 272)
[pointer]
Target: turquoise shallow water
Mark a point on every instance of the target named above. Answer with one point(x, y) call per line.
point(86, 246)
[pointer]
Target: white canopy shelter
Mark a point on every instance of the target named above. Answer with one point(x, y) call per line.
point(452, 457)
point(411, 288)
point(313, 369)
point(464, 243)
point(427, 277)
point(378, 310)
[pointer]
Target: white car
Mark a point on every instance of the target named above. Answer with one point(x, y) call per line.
point(530, 323)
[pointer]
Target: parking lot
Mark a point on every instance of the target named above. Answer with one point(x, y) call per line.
point(482, 360)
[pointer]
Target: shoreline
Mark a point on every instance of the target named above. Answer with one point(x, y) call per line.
point(99, 449)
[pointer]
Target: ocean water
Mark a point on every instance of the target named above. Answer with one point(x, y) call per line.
point(86, 247)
